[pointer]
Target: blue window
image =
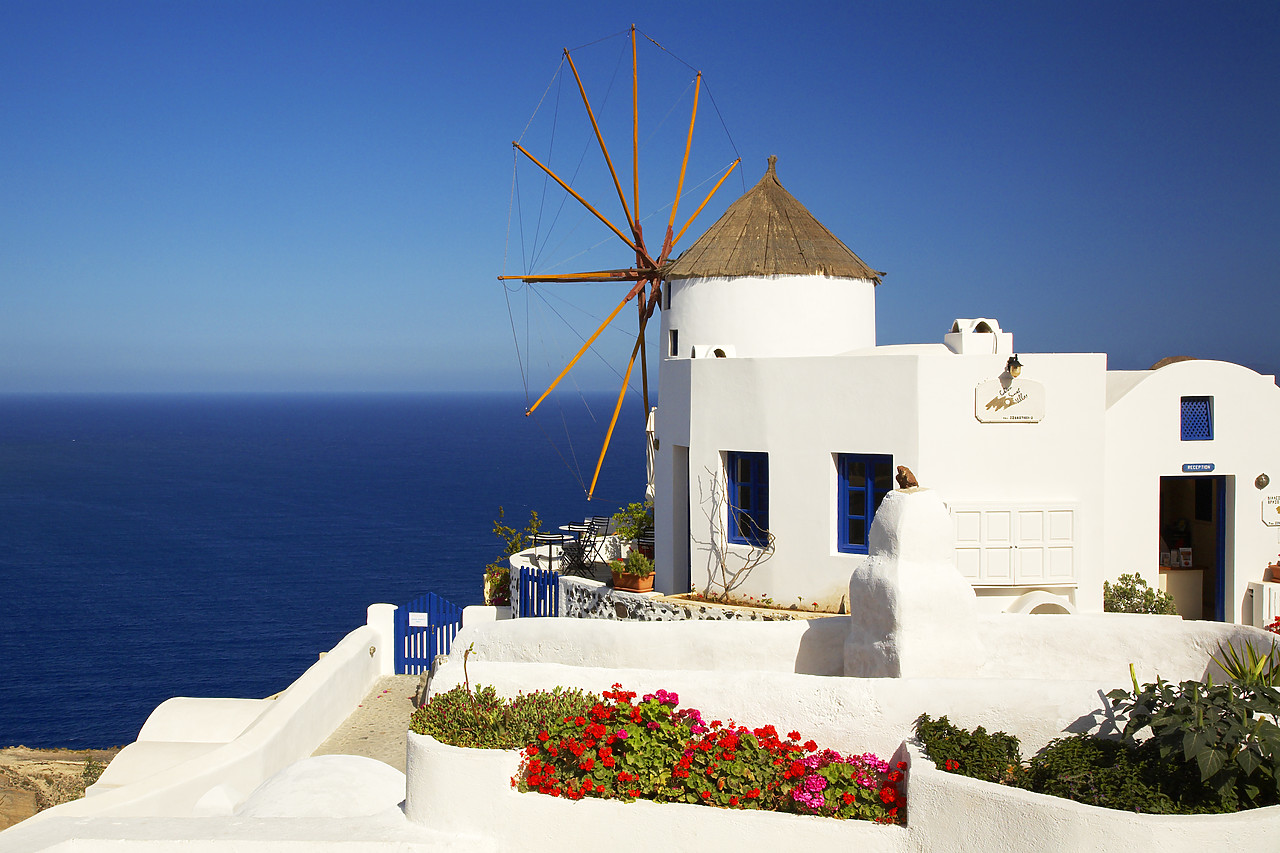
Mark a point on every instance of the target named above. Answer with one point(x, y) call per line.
point(748, 476)
point(864, 481)
point(1197, 418)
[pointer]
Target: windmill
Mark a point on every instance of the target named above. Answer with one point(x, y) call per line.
point(646, 274)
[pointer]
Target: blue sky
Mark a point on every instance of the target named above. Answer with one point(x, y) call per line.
point(247, 196)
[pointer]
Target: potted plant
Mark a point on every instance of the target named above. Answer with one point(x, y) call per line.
point(634, 574)
point(632, 522)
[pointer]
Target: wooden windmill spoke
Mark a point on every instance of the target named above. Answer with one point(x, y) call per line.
point(635, 130)
point(570, 190)
point(732, 166)
point(633, 224)
point(586, 346)
point(646, 273)
point(622, 393)
point(668, 242)
point(583, 277)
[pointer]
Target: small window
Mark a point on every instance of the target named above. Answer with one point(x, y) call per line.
point(864, 480)
point(1197, 418)
point(675, 342)
point(748, 481)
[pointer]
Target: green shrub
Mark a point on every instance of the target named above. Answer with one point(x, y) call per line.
point(1211, 749)
point(633, 521)
point(1099, 772)
point(497, 575)
point(92, 770)
point(1131, 594)
point(637, 564)
point(482, 719)
point(991, 757)
point(1217, 745)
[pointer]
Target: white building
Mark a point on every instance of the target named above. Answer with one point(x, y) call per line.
point(1059, 475)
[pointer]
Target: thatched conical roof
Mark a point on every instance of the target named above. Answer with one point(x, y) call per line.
point(768, 232)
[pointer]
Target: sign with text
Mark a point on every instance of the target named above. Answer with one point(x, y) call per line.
point(1197, 467)
point(1005, 401)
point(419, 620)
point(1271, 510)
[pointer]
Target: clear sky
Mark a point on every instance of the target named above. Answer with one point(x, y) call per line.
point(314, 196)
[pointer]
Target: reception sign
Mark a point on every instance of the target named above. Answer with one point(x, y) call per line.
point(1006, 400)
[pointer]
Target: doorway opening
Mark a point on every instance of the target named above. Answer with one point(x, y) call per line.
point(683, 572)
point(1193, 545)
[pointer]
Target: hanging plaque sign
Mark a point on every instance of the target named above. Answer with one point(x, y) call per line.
point(419, 620)
point(1006, 400)
point(1271, 510)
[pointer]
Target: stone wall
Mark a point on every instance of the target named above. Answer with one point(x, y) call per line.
point(586, 599)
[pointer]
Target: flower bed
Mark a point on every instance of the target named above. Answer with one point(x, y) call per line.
point(1208, 748)
point(650, 750)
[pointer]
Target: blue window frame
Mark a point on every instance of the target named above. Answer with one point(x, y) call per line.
point(1197, 418)
point(748, 476)
point(864, 481)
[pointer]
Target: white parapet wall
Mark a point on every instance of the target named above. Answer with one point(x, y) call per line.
point(950, 812)
point(852, 715)
point(468, 792)
point(202, 757)
point(1095, 647)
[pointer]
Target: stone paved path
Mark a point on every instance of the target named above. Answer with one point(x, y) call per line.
point(377, 728)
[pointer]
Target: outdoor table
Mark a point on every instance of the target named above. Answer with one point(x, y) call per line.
point(550, 540)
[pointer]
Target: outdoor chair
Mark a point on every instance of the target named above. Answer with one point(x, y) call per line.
point(576, 555)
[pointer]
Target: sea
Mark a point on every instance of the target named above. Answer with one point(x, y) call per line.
point(154, 546)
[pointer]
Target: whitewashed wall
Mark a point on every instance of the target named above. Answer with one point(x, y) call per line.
point(182, 776)
point(913, 402)
point(1143, 427)
point(771, 316)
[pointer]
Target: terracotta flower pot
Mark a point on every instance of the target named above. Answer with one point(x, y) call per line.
point(632, 583)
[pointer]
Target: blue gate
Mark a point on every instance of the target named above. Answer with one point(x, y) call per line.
point(425, 627)
point(539, 592)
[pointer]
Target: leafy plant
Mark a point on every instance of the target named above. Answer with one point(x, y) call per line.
point(636, 564)
point(991, 757)
point(1218, 745)
point(627, 750)
point(497, 575)
point(485, 720)
point(1131, 594)
point(1099, 772)
point(1248, 667)
point(633, 521)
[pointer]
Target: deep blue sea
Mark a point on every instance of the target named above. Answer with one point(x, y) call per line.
point(158, 546)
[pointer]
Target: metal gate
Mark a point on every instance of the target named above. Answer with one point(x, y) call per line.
point(425, 627)
point(539, 592)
